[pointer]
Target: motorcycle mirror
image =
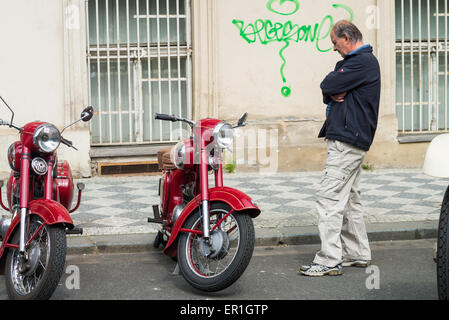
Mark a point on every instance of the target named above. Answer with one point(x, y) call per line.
point(87, 114)
point(242, 120)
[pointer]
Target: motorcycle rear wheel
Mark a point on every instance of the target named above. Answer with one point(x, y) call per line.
point(220, 269)
point(443, 250)
point(47, 254)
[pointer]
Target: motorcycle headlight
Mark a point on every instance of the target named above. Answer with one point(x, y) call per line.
point(178, 155)
point(12, 156)
point(47, 138)
point(223, 134)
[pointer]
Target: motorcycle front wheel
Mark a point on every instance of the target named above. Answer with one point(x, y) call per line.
point(443, 250)
point(215, 267)
point(37, 278)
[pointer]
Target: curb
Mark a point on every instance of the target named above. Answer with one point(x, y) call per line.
point(127, 243)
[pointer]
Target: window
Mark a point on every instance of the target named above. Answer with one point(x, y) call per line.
point(422, 66)
point(138, 64)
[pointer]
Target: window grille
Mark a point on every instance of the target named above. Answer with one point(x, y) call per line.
point(139, 62)
point(422, 66)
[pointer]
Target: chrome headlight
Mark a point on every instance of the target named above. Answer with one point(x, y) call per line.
point(223, 134)
point(12, 157)
point(47, 138)
point(178, 155)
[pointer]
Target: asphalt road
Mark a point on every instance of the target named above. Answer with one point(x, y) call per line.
point(402, 270)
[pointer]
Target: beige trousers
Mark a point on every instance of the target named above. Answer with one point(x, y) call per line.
point(341, 225)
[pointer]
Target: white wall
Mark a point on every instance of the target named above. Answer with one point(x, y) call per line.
point(32, 60)
point(33, 74)
point(250, 73)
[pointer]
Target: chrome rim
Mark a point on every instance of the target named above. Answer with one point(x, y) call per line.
point(228, 237)
point(25, 281)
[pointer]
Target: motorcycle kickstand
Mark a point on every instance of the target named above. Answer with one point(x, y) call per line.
point(176, 272)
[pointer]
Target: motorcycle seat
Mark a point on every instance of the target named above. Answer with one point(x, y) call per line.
point(164, 159)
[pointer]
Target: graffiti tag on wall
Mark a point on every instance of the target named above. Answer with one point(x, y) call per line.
point(266, 31)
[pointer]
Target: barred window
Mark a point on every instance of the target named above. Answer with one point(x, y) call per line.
point(139, 64)
point(422, 66)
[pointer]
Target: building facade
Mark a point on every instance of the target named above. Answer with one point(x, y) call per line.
point(213, 58)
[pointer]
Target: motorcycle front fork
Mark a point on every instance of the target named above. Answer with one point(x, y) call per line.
point(23, 214)
point(23, 255)
point(206, 222)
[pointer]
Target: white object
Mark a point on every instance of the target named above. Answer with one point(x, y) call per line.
point(436, 163)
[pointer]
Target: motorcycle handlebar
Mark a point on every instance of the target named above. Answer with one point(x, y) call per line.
point(68, 143)
point(11, 125)
point(165, 117)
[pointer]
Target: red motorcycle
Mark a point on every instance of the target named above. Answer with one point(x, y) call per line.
point(39, 193)
point(208, 230)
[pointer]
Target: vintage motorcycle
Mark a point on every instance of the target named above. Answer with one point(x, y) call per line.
point(39, 196)
point(209, 231)
point(436, 164)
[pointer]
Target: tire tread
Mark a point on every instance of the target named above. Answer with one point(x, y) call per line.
point(443, 249)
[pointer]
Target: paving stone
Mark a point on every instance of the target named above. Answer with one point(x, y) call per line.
point(123, 204)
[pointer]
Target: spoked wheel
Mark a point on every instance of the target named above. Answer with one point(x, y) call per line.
point(443, 250)
point(38, 277)
point(215, 266)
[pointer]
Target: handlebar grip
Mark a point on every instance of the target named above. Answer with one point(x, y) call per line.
point(165, 117)
point(66, 142)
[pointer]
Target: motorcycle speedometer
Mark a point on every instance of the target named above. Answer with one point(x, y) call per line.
point(39, 166)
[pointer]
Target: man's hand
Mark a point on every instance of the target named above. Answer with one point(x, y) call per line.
point(339, 97)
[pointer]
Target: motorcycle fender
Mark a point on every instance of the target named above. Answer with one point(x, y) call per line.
point(50, 211)
point(236, 199)
point(435, 162)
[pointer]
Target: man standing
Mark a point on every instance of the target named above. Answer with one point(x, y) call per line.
point(352, 95)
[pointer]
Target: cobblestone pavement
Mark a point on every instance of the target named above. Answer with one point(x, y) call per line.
point(121, 205)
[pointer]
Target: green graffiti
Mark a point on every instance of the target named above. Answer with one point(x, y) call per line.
point(284, 10)
point(348, 9)
point(286, 91)
point(287, 43)
point(265, 31)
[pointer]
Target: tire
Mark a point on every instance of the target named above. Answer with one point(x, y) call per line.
point(234, 255)
point(158, 240)
point(48, 250)
point(443, 250)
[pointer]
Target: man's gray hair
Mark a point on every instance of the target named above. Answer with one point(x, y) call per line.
point(345, 28)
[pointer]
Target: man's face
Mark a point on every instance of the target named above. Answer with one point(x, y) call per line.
point(342, 45)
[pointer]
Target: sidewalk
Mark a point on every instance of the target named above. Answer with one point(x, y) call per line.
point(399, 204)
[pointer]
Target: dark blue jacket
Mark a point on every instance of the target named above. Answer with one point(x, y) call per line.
point(353, 121)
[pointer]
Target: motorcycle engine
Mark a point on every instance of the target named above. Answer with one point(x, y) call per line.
point(188, 192)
